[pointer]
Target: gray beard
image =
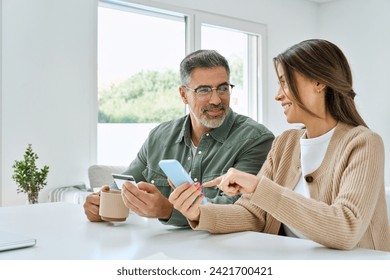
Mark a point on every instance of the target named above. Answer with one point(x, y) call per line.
point(208, 122)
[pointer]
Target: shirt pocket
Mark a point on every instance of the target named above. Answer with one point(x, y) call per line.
point(211, 192)
point(157, 178)
point(208, 177)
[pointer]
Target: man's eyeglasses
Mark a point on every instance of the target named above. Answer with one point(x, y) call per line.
point(204, 92)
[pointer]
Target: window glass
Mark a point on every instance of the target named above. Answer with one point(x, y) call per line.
point(138, 78)
point(232, 45)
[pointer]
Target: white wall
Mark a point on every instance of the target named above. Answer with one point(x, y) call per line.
point(362, 29)
point(1, 98)
point(48, 89)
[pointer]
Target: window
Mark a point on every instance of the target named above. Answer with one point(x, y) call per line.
point(242, 43)
point(139, 52)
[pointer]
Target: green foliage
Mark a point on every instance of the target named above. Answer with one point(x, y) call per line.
point(27, 176)
point(150, 97)
point(236, 71)
point(146, 97)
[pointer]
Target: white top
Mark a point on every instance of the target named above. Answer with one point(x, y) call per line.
point(313, 151)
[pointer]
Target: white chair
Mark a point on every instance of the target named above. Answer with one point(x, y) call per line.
point(100, 175)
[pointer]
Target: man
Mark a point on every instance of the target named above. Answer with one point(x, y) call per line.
point(207, 142)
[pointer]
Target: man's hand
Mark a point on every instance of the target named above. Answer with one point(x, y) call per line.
point(92, 204)
point(146, 200)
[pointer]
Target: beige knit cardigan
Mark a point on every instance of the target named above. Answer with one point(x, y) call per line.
point(346, 208)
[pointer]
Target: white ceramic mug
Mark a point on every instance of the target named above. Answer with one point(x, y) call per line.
point(112, 208)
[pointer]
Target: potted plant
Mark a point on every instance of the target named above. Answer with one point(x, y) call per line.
point(28, 177)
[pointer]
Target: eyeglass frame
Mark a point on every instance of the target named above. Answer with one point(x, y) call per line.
point(205, 95)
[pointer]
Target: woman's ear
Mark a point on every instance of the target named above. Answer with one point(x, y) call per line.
point(183, 94)
point(320, 87)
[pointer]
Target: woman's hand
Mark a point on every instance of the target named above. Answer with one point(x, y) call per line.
point(234, 182)
point(187, 199)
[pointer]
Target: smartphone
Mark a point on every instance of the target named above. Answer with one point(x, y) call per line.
point(176, 173)
point(120, 179)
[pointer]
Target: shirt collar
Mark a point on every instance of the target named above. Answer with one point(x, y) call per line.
point(219, 134)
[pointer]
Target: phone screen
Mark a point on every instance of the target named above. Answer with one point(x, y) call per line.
point(175, 172)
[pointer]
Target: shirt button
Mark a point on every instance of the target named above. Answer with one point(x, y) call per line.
point(309, 179)
point(199, 152)
point(152, 181)
point(189, 158)
point(195, 179)
point(207, 134)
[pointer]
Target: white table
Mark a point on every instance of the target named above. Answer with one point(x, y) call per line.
point(64, 233)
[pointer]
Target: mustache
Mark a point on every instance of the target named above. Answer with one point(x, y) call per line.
point(213, 106)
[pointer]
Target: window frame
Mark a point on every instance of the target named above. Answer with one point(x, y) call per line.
point(256, 67)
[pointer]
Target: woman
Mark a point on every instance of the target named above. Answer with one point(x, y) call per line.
point(324, 182)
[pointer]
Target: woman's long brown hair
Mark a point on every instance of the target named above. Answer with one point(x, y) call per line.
point(322, 61)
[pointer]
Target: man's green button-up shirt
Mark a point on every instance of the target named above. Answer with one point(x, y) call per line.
point(239, 142)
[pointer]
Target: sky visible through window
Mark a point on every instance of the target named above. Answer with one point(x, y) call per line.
point(131, 42)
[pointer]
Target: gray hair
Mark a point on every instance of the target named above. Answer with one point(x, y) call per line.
point(201, 59)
